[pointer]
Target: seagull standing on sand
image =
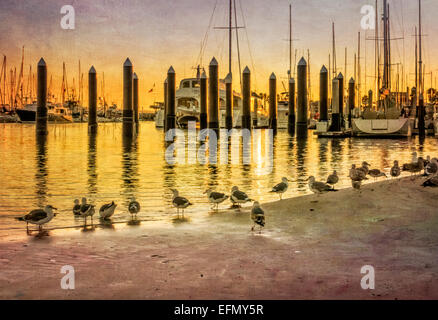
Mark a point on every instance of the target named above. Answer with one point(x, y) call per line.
point(76, 208)
point(38, 217)
point(364, 167)
point(395, 170)
point(107, 210)
point(376, 173)
point(356, 174)
point(414, 167)
point(238, 197)
point(318, 187)
point(333, 179)
point(431, 168)
point(133, 207)
point(257, 216)
point(87, 210)
point(179, 202)
point(281, 187)
point(215, 197)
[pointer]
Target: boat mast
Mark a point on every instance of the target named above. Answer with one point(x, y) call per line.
point(230, 35)
point(237, 42)
point(377, 55)
point(385, 46)
point(334, 50)
point(416, 65)
point(420, 61)
point(359, 98)
point(290, 41)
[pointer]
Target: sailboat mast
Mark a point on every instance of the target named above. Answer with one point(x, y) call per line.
point(290, 41)
point(230, 35)
point(334, 50)
point(420, 61)
point(237, 42)
point(416, 61)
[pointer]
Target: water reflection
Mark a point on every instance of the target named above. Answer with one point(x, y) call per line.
point(41, 170)
point(92, 164)
point(129, 168)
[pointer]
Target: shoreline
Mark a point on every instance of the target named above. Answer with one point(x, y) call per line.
point(313, 247)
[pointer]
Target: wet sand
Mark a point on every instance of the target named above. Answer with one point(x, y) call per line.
point(313, 247)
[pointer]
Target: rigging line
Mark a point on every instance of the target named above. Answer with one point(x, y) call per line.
point(249, 46)
point(205, 39)
point(238, 47)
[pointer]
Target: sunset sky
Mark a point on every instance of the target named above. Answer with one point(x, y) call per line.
point(157, 34)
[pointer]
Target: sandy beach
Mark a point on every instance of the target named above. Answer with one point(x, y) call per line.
point(313, 247)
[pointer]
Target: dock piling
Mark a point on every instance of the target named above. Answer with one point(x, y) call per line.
point(341, 98)
point(302, 93)
point(323, 94)
point(127, 99)
point(135, 98)
point(203, 89)
point(92, 100)
point(171, 116)
point(351, 99)
point(421, 112)
point(246, 99)
point(165, 103)
point(291, 105)
point(213, 96)
point(273, 102)
point(336, 119)
point(229, 101)
point(41, 114)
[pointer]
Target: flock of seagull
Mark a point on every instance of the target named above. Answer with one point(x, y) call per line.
point(237, 197)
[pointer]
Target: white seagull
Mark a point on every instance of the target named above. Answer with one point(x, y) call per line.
point(107, 210)
point(87, 210)
point(318, 187)
point(215, 197)
point(179, 202)
point(257, 216)
point(238, 197)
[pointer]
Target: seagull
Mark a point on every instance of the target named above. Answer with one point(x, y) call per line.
point(414, 157)
point(215, 197)
point(107, 210)
point(364, 167)
point(431, 168)
point(333, 179)
point(38, 217)
point(238, 197)
point(87, 210)
point(431, 182)
point(356, 174)
point(258, 216)
point(318, 187)
point(133, 207)
point(395, 170)
point(376, 173)
point(281, 187)
point(179, 202)
point(77, 208)
point(414, 167)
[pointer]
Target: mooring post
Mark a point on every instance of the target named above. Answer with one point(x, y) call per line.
point(323, 94)
point(165, 103)
point(336, 121)
point(127, 98)
point(229, 101)
point(41, 114)
point(351, 99)
point(291, 105)
point(370, 99)
point(246, 99)
point(272, 102)
point(171, 116)
point(92, 100)
point(213, 96)
point(302, 93)
point(135, 97)
point(421, 124)
point(203, 114)
point(341, 99)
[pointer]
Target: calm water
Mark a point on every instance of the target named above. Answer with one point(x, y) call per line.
point(70, 164)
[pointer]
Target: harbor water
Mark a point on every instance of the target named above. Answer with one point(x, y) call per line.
point(71, 164)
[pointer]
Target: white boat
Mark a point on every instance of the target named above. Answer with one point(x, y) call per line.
point(283, 110)
point(401, 127)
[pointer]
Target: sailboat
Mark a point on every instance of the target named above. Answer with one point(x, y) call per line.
point(388, 123)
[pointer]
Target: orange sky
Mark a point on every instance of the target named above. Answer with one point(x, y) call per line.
point(157, 34)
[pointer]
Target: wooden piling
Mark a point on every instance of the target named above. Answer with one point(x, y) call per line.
point(127, 99)
point(229, 101)
point(370, 99)
point(41, 113)
point(213, 96)
point(203, 89)
point(291, 104)
point(135, 97)
point(92, 100)
point(421, 114)
point(302, 93)
point(171, 116)
point(351, 99)
point(273, 102)
point(246, 99)
point(165, 103)
point(341, 98)
point(336, 120)
point(323, 94)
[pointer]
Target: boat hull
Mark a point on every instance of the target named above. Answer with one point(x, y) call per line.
point(401, 127)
